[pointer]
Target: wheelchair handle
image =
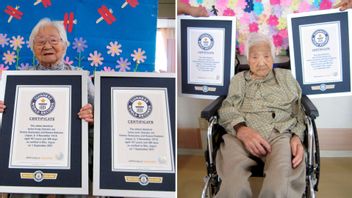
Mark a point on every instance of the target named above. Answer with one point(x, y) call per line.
point(212, 121)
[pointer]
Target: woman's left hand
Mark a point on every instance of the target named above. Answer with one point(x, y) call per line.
point(86, 113)
point(297, 151)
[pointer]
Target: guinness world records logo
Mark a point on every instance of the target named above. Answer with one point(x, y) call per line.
point(320, 37)
point(139, 106)
point(38, 176)
point(205, 41)
point(42, 104)
point(323, 87)
point(143, 179)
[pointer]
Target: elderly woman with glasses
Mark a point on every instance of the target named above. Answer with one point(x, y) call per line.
point(49, 43)
point(264, 119)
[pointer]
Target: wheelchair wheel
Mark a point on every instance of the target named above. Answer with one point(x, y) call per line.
point(211, 187)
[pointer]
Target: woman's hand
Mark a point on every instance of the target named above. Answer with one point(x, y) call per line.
point(86, 113)
point(2, 106)
point(297, 151)
point(344, 4)
point(253, 141)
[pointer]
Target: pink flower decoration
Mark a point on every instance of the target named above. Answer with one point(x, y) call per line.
point(96, 58)
point(9, 57)
point(283, 33)
point(253, 27)
point(304, 7)
point(68, 61)
point(24, 66)
point(3, 67)
point(277, 40)
point(229, 12)
point(273, 30)
point(277, 10)
point(241, 4)
point(274, 2)
point(241, 48)
point(273, 21)
point(123, 64)
point(252, 18)
point(221, 4)
point(108, 69)
point(245, 18)
point(325, 4)
point(285, 43)
point(285, 3)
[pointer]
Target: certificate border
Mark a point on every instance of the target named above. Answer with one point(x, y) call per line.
point(69, 130)
point(223, 30)
point(229, 54)
point(343, 88)
point(340, 51)
point(136, 189)
point(168, 125)
point(31, 186)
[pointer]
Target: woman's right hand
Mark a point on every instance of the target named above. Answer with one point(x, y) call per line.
point(253, 141)
point(2, 106)
point(344, 4)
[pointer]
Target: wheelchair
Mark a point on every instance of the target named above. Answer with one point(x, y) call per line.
point(214, 139)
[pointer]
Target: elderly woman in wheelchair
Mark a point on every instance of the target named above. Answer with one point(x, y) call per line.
point(264, 119)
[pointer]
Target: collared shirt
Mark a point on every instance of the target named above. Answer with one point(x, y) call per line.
point(63, 66)
point(270, 103)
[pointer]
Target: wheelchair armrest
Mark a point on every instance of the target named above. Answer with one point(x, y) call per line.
point(212, 108)
point(309, 107)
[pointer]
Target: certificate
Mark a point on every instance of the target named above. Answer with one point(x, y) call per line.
point(320, 52)
point(206, 55)
point(207, 47)
point(43, 142)
point(41, 135)
point(141, 138)
point(134, 134)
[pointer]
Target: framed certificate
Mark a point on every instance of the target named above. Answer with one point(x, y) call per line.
point(134, 137)
point(43, 142)
point(207, 55)
point(320, 52)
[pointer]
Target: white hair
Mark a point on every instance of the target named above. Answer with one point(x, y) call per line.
point(255, 38)
point(44, 23)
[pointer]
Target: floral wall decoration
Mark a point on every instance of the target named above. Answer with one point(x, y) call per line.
point(109, 35)
point(266, 16)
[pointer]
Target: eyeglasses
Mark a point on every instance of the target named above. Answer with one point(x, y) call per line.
point(52, 41)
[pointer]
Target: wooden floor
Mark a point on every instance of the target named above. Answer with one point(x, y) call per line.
point(336, 177)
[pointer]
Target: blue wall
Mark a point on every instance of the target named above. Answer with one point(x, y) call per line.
point(134, 28)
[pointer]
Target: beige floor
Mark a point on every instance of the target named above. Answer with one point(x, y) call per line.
point(336, 177)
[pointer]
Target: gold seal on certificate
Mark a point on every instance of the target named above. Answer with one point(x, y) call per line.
point(141, 138)
point(41, 127)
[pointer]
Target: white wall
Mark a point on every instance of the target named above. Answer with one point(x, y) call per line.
point(334, 112)
point(188, 111)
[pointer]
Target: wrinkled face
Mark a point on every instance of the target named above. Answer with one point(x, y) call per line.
point(260, 60)
point(48, 46)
